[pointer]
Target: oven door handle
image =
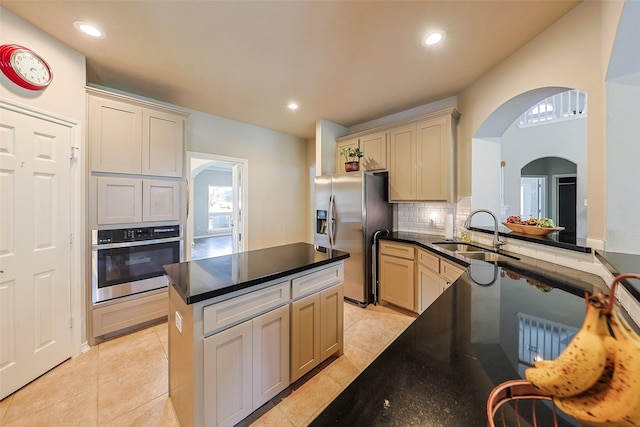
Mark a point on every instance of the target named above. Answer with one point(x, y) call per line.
point(132, 244)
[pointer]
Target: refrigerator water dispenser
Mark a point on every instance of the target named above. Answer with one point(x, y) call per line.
point(321, 222)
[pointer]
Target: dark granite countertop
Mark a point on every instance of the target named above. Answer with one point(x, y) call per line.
point(212, 277)
point(519, 265)
point(619, 263)
point(476, 335)
point(440, 371)
point(557, 240)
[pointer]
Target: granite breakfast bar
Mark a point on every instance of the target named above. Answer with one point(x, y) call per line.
point(243, 327)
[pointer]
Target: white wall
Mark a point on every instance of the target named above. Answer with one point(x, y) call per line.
point(326, 134)
point(278, 175)
point(623, 136)
point(571, 53)
point(565, 139)
point(486, 179)
point(623, 154)
point(65, 96)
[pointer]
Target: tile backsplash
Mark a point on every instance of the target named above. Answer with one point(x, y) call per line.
point(429, 217)
point(423, 217)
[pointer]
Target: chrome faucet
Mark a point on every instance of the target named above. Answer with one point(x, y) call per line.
point(497, 243)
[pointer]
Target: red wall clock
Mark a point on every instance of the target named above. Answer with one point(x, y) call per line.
point(24, 67)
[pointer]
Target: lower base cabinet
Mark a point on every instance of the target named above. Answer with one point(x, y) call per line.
point(430, 286)
point(411, 277)
point(228, 357)
point(247, 365)
point(435, 275)
point(119, 315)
point(316, 329)
point(397, 274)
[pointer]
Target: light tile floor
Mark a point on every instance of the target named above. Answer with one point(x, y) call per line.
point(123, 381)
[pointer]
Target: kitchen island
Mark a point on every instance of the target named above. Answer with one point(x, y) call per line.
point(243, 327)
point(476, 335)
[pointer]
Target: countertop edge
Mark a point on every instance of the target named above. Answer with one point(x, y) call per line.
point(609, 264)
point(178, 270)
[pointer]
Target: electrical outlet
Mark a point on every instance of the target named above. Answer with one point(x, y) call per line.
point(179, 322)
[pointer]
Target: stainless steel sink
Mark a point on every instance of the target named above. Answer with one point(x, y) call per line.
point(459, 247)
point(487, 256)
point(474, 252)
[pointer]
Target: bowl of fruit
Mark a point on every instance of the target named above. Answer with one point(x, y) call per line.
point(533, 226)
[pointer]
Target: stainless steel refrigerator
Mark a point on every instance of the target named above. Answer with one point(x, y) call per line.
point(349, 209)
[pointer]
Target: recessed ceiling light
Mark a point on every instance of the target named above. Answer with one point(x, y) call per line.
point(434, 37)
point(89, 29)
point(293, 106)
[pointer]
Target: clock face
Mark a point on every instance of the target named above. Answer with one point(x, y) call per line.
point(24, 68)
point(30, 67)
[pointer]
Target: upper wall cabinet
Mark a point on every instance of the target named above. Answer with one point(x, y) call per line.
point(134, 137)
point(373, 146)
point(422, 159)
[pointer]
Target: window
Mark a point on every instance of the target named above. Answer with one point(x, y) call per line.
point(568, 105)
point(220, 208)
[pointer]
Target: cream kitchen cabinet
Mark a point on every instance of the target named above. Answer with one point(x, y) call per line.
point(397, 274)
point(422, 158)
point(246, 365)
point(316, 320)
point(231, 347)
point(134, 137)
point(411, 277)
point(373, 147)
point(122, 200)
point(434, 276)
point(316, 329)
point(374, 150)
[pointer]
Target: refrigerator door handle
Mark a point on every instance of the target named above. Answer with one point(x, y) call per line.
point(374, 263)
point(331, 222)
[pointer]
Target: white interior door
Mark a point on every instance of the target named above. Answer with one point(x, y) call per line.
point(237, 223)
point(533, 197)
point(35, 250)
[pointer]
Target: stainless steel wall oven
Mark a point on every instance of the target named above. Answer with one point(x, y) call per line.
point(129, 261)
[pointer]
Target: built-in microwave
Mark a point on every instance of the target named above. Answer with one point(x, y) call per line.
point(129, 261)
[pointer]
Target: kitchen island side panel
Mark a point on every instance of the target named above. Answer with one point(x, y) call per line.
point(185, 356)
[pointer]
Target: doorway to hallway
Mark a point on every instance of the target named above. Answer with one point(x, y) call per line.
point(217, 205)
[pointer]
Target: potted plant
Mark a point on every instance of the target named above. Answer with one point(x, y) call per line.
point(352, 158)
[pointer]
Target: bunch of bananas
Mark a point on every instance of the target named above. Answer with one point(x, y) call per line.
point(596, 379)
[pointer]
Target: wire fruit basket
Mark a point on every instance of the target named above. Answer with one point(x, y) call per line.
point(519, 391)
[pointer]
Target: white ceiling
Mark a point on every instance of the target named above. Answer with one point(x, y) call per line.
point(345, 61)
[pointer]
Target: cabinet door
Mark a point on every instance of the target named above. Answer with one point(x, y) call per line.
point(161, 200)
point(397, 284)
point(402, 163)
point(305, 335)
point(340, 160)
point(430, 286)
point(331, 321)
point(119, 200)
point(270, 355)
point(115, 135)
point(450, 272)
point(433, 152)
point(374, 148)
point(162, 143)
point(228, 376)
